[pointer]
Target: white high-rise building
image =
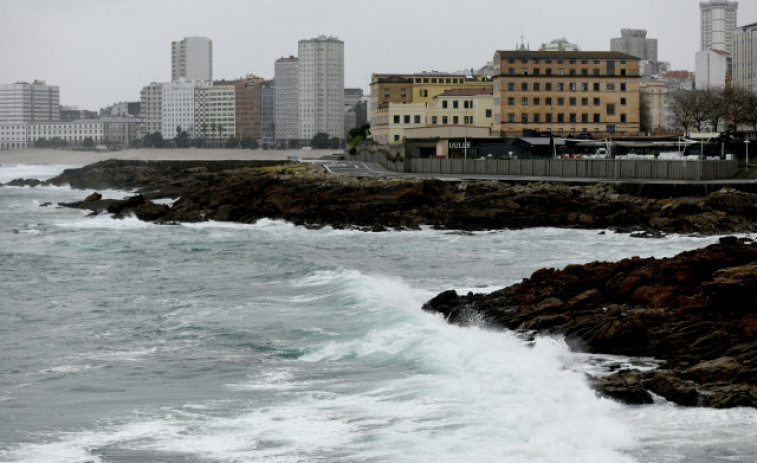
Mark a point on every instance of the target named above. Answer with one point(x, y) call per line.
point(745, 58)
point(286, 98)
point(718, 20)
point(321, 85)
point(192, 59)
point(178, 108)
point(24, 103)
point(712, 67)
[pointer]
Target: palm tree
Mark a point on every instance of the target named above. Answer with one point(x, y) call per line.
point(212, 128)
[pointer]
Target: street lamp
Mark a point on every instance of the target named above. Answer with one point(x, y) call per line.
point(746, 143)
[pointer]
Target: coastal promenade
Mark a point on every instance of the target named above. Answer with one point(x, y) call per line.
point(68, 157)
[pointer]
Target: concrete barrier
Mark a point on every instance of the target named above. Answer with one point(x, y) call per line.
point(609, 169)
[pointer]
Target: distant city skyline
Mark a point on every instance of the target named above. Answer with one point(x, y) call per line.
point(102, 52)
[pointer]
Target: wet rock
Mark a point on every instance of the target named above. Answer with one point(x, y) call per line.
point(697, 311)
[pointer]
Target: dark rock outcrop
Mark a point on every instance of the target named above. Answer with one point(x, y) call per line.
point(696, 311)
point(306, 195)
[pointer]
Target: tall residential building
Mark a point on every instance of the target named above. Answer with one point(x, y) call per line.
point(267, 117)
point(192, 59)
point(565, 92)
point(248, 107)
point(712, 67)
point(635, 43)
point(286, 99)
point(24, 103)
point(152, 109)
point(321, 85)
point(718, 20)
point(178, 108)
point(214, 111)
point(745, 58)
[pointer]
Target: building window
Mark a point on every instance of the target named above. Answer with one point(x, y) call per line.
point(560, 118)
point(584, 119)
point(467, 120)
point(623, 118)
point(444, 104)
point(584, 72)
point(597, 102)
point(407, 119)
point(488, 113)
point(560, 86)
point(584, 101)
point(596, 72)
point(610, 128)
point(511, 117)
point(524, 71)
point(572, 101)
point(511, 71)
point(584, 86)
point(548, 86)
point(610, 87)
point(548, 71)
point(434, 120)
point(548, 101)
point(572, 118)
point(454, 104)
point(537, 71)
point(610, 109)
point(596, 118)
point(572, 86)
point(548, 118)
point(417, 119)
point(623, 87)
point(511, 86)
point(396, 138)
point(537, 86)
point(396, 119)
point(596, 86)
point(444, 120)
point(524, 101)
point(573, 72)
point(403, 92)
point(386, 92)
point(622, 101)
point(524, 86)
point(455, 119)
point(537, 101)
point(511, 101)
point(560, 101)
point(524, 118)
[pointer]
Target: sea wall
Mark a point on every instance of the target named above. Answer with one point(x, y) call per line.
point(600, 169)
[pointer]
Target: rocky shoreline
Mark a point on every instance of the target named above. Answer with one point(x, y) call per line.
point(696, 312)
point(305, 194)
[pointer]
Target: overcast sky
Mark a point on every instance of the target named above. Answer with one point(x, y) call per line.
point(103, 51)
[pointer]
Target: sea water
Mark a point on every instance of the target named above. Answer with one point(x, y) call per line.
point(125, 341)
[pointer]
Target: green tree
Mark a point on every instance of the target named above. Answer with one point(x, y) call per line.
point(41, 143)
point(320, 141)
point(232, 142)
point(88, 143)
point(334, 143)
point(249, 143)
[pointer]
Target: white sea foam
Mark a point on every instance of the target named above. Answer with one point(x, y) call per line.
point(10, 172)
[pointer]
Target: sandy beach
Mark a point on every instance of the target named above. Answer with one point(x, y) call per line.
point(68, 157)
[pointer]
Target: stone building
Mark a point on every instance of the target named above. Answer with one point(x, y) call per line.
point(566, 92)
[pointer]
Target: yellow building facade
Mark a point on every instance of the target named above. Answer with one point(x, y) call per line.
point(403, 102)
point(565, 92)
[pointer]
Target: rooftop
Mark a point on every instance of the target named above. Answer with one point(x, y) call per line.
point(530, 54)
